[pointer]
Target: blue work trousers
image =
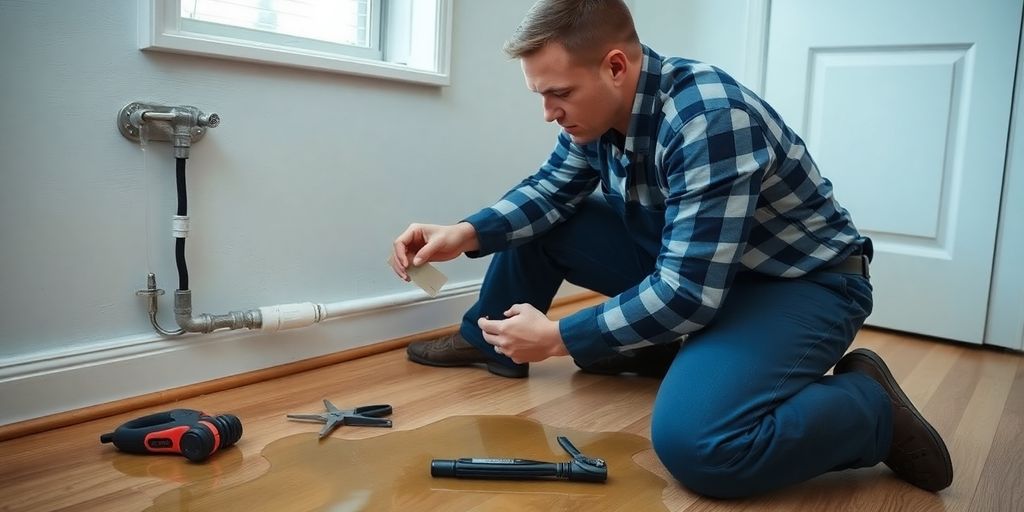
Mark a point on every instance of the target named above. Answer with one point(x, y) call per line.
point(746, 406)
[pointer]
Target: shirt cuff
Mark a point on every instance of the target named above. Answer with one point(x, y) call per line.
point(490, 229)
point(581, 335)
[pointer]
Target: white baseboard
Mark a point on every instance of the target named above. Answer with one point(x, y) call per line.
point(41, 384)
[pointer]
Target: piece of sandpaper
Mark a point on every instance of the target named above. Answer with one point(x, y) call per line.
point(426, 276)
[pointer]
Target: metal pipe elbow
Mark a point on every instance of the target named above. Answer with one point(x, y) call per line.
point(205, 322)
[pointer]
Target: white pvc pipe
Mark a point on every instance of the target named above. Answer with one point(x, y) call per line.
point(356, 306)
point(302, 314)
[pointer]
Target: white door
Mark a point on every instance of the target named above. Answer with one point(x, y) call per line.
point(905, 106)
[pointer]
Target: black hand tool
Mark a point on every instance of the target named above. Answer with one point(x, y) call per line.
point(580, 469)
point(187, 432)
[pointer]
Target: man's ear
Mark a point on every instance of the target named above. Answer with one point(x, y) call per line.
point(615, 62)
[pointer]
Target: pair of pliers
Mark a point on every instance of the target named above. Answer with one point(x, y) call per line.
point(364, 416)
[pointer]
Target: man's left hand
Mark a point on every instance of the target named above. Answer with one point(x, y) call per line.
point(525, 336)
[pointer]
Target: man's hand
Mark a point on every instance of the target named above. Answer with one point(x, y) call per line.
point(525, 336)
point(422, 243)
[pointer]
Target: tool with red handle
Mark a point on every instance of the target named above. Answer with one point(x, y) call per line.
point(180, 431)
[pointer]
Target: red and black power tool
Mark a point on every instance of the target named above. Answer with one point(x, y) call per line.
point(187, 432)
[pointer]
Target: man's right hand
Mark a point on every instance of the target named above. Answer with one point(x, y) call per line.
point(422, 243)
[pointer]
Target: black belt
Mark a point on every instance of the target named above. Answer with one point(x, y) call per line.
point(853, 264)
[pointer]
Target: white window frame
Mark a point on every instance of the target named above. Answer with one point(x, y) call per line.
point(161, 28)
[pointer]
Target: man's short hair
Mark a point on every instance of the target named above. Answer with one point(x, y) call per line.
point(586, 28)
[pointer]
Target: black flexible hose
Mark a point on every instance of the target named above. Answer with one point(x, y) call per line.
point(179, 243)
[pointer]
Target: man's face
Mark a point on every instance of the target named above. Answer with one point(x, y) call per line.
point(581, 99)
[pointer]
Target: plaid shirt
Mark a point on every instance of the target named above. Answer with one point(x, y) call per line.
point(717, 165)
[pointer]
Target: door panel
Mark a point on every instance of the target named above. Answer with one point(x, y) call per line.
point(905, 107)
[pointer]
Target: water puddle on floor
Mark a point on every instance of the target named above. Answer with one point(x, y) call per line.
point(392, 472)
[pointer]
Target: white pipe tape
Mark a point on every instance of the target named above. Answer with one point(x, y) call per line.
point(180, 226)
point(290, 316)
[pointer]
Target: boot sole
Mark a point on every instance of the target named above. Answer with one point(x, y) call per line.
point(890, 381)
point(492, 366)
point(501, 370)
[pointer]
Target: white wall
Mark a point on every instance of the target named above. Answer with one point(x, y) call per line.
point(296, 196)
point(728, 34)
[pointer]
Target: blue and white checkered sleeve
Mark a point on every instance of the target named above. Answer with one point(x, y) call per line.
point(538, 203)
point(715, 166)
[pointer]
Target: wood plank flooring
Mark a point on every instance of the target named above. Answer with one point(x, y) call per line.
point(974, 396)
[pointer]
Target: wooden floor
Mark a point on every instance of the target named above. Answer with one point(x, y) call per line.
point(974, 397)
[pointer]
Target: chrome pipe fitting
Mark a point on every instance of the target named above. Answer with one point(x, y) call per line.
point(151, 293)
point(181, 125)
point(206, 322)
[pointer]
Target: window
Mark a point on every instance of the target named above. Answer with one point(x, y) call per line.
point(397, 39)
point(346, 26)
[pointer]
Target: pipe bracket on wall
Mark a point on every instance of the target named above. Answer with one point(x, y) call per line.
point(182, 125)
